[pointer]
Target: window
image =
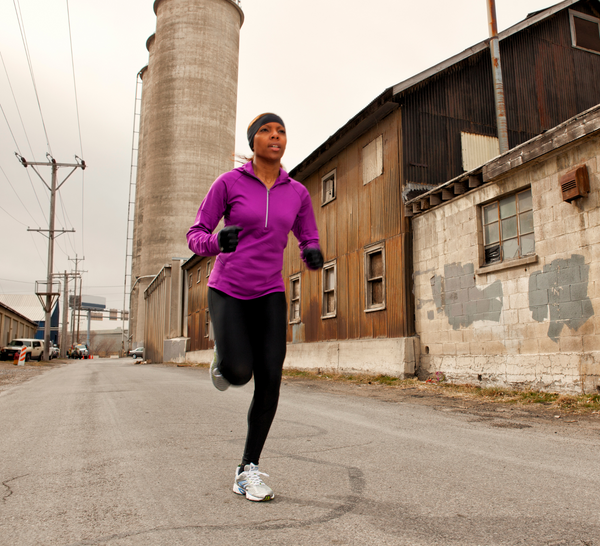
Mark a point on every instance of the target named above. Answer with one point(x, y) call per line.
point(295, 298)
point(190, 280)
point(508, 228)
point(208, 268)
point(328, 191)
point(199, 273)
point(329, 290)
point(372, 156)
point(585, 31)
point(206, 323)
point(375, 278)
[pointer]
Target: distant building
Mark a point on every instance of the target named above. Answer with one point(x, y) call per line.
point(28, 305)
point(14, 325)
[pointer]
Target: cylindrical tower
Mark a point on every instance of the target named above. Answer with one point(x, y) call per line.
point(190, 136)
point(187, 134)
point(139, 282)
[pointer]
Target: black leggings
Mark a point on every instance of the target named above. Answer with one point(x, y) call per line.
point(251, 339)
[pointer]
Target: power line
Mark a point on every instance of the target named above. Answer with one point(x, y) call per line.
point(70, 236)
point(15, 219)
point(74, 79)
point(78, 128)
point(26, 47)
point(18, 110)
point(9, 128)
point(13, 189)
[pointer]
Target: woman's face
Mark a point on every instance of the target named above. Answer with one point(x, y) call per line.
point(270, 141)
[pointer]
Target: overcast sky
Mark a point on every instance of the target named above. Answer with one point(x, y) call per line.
point(316, 63)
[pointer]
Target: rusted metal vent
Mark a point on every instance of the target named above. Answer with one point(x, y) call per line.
point(575, 183)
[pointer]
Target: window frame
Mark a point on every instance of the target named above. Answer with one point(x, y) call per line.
point(208, 263)
point(504, 263)
point(327, 267)
point(293, 278)
point(368, 252)
point(585, 16)
point(331, 175)
point(199, 272)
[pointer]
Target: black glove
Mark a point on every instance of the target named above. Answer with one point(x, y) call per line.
point(313, 258)
point(228, 238)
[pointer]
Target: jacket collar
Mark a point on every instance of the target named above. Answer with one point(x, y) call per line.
point(283, 177)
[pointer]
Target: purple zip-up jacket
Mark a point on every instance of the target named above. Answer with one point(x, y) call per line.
point(266, 216)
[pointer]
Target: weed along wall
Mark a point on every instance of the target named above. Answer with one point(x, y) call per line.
point(507, 275)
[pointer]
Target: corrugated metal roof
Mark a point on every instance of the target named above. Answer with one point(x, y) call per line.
point(27, 305)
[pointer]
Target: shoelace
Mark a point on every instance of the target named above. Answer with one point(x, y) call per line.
point(253, 476)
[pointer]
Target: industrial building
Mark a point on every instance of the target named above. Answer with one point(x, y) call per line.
point(365, 181)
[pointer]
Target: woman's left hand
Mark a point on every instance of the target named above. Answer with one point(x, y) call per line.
point(313, 258)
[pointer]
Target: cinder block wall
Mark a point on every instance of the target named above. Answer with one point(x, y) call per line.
point(534, 325)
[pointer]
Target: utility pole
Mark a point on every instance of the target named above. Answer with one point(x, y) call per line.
point(77, 300)
point(52, 291)
point(497, 76)
point(65, 324)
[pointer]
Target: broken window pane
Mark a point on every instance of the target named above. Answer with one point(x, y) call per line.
point(510, 249)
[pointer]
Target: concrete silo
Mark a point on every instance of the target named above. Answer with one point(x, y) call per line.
point(187, 131)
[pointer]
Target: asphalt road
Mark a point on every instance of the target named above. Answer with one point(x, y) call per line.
point(104, 452)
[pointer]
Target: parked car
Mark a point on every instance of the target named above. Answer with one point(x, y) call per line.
point(137, 353)
point(35, 349)
point(54, 351)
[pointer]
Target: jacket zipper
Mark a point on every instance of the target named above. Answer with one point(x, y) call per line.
point(267, 214)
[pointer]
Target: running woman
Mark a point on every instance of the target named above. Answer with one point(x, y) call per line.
point(261, 204)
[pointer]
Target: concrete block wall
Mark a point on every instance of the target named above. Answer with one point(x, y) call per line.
point(535, 324)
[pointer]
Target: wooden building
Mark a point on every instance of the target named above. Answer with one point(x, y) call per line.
point(358, 313)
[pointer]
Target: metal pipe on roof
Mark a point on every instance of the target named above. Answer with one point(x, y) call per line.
point(497, 77)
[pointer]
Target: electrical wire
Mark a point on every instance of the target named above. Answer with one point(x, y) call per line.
point(69, 234)
point(13, 189)
point(74, 79)
point(36, 249)
point(18, 110)
point(10, 129)
point(26, 135)
point(15, 219)
point(26, 47)
point(78, 128)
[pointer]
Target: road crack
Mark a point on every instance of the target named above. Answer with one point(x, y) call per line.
point(8, 488)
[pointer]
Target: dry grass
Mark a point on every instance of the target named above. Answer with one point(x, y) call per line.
point(582, 403)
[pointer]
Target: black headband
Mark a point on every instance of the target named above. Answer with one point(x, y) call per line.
point(258, 123)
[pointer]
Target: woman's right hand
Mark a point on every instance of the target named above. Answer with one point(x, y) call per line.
point(228, 238)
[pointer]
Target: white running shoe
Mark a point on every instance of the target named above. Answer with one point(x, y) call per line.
point(218, 380)
point(248, 482)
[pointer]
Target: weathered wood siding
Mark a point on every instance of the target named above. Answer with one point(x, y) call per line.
point(359, 216)
point(197, 292)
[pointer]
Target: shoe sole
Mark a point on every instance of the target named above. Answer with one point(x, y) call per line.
point(239, 491)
